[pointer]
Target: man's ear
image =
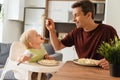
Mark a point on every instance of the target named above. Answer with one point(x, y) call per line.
point(89, 14)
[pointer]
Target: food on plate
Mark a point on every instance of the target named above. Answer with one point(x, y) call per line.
point(87, 61)
point(48, 62)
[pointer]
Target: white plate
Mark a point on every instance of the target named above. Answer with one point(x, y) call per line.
point(87, 62)
point(49, 63)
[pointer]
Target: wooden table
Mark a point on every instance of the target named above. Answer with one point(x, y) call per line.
point(72, 71)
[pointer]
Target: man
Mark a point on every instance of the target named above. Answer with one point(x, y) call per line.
point(87, 36)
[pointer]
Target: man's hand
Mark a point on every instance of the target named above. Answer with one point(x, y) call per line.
point(103, 63)
point(50, 25)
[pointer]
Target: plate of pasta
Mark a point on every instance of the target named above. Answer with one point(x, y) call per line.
point(49, 62)
point(86, 62)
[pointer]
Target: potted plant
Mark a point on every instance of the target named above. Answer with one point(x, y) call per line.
point(111, 52)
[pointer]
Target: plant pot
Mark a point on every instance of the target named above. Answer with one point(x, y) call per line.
point(115, 70)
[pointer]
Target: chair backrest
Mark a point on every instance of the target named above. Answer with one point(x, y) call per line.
point(4, 52)
point(16, 49)
point(49, 48)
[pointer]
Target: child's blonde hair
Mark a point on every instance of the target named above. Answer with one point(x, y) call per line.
point(26, 36)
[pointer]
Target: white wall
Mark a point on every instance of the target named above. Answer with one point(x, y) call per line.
point(1, 30)
point(11, 29)
point(112, 14)
point(69, 53)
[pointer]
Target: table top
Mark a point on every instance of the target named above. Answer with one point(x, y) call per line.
point(72, 71)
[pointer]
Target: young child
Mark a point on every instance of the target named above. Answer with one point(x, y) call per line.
point(34, 49)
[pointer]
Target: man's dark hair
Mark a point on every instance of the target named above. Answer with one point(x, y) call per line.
point(86, 5)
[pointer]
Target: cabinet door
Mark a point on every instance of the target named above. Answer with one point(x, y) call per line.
point(16, 9)
point(33, 19)
point(35, 3)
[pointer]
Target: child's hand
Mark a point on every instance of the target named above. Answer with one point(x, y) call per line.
point(48, 57)
point(23, 58)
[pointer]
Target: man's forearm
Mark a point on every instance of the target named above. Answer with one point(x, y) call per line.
point(54, 40)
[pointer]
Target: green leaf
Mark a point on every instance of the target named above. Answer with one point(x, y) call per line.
point(111, 50)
